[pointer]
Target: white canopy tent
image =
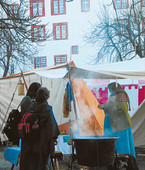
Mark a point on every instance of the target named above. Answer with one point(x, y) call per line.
point(133, 69)
point(56, 84)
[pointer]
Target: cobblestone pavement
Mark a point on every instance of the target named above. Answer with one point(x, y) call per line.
point(64, 165)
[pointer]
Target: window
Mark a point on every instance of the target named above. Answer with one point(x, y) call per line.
point(75, 49)
point(85, 5)
point(13, 9)
point(121, 4)
point(122, 26)
point(37, 8)
point(59, 59)
point(38, 33)
point(143, 2)
point(40, 62)
point(118, 3)
point(60, 31)
point(58, 7)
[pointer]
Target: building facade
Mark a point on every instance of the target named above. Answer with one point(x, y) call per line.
point(68, 21)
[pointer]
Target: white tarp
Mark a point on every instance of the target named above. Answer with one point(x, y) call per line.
point(132, 69)
point(56, 87)
point(55, 73)
point(138, 125)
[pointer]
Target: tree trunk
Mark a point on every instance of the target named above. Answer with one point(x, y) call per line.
point(7, 64)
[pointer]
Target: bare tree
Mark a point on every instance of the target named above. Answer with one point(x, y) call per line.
point(121, 37)
point(16, 46)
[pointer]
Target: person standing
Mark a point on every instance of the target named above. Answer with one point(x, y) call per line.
point(25, 155)
point(43, 146)
point(117, 120)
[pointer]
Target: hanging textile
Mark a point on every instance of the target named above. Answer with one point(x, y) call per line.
point(67, 101)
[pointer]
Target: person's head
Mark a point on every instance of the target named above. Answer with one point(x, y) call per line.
point(43, 94)
point(33, 88)
point(115, 88)
point(117, 91)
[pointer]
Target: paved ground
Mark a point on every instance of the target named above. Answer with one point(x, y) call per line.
point(4, 165)
point(64, 165)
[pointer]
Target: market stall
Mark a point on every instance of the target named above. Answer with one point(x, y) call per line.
point(56, 78)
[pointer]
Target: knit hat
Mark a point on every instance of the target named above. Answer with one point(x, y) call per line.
point(43, 94)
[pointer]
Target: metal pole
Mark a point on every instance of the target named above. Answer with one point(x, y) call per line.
point(74, 102)
point(75, 110)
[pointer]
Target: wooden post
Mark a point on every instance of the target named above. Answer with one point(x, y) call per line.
point(24, 81)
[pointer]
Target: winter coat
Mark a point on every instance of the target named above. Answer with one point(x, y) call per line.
point(25, 104)
point(44, 143)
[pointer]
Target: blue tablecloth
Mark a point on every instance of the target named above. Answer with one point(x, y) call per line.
point(12, 154)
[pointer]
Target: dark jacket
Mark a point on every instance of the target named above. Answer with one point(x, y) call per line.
point(25, 104)
point(27, 158)
point(44, 143)
point(49, 130)
point(36, 151)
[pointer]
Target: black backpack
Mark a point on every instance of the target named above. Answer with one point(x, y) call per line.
point(10, 128)
point(28, 128)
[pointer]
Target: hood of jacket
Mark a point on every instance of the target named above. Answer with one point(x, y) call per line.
point(43, 94)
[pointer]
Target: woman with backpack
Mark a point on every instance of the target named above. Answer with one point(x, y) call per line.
point(43, 145)
point(30, 97)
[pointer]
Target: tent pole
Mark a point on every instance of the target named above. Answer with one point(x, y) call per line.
point(75, 110)
point(74, 102)
point(24, 80)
